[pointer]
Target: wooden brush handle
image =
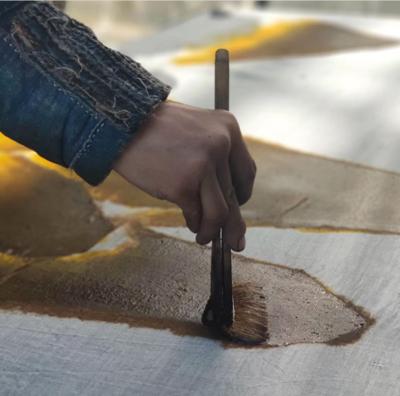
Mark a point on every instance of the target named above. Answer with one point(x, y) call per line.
point(223, 270)
point(222, 79)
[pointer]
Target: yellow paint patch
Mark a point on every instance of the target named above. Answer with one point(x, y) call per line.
point(78, 262)
point(286, 38)
point(7, 144)
point(10, 146)
point(44, 163)
point(8, 165)
point(242, 43)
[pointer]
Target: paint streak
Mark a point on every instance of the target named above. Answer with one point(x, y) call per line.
point(285, 38)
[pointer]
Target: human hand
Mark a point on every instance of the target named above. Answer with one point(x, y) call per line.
point(197, 159)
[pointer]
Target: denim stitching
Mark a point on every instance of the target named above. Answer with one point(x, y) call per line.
point(88, 143)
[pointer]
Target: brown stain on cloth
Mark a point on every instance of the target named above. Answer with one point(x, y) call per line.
point(295, 189)
point(162, 282)
point(157, 281)
point(43, 213)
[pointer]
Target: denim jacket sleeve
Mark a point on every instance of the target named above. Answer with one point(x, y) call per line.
point(64, 94)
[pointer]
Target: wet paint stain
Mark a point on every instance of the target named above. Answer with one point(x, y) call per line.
point(158, 281)
point(163, 283)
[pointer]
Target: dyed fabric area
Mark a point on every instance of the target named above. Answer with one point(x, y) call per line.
point(285, 38)
point(106, 265)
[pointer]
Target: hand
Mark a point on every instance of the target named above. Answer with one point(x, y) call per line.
point(197, 159)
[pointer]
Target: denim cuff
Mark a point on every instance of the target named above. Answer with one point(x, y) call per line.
point(96, 156)
point(101, 95)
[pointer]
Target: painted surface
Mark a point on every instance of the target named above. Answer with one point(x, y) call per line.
point(134, 275)
point(144, 280)
point(47, 355)
point(43, 214)
point(164, 283)
point(97, 322)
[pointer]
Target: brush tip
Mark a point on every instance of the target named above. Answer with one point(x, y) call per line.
point(250, 325)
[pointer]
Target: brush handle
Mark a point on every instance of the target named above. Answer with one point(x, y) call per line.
point(222, 79)
point(222, 258)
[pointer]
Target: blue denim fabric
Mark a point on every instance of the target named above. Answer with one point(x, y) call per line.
point(41, 113)
point(6, 6)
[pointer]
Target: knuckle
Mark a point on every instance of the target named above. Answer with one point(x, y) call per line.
point(227, 116)
point(232, 124)
point(218, 146)
point(222, 143)
point(222, 113)
point(229, 122)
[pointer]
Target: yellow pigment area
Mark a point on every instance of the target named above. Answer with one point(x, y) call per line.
point(78, 262)
point(10, 146)
point(44, 163)
point(242, 43)
point(7, 144)
point(8, 164)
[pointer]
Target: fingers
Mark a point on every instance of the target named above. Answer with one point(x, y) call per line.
point(221, 193)
point(242, 166)
point(214, 209)
point(234, 227)
point(192, 214)
point(220, 209)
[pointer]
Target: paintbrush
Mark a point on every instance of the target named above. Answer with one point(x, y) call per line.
point(238, 312)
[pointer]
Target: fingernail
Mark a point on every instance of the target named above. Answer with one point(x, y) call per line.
point(242, 243)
